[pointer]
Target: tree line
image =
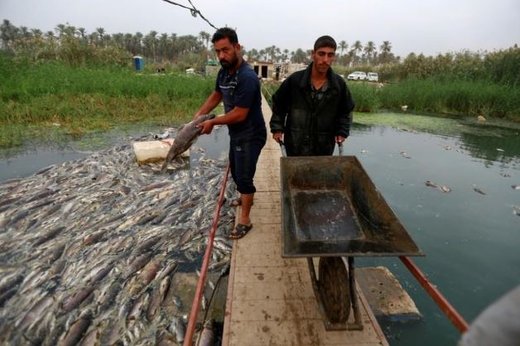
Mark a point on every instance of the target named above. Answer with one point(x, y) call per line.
point(164, 47)
point(75, 46)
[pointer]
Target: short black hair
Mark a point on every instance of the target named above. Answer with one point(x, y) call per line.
point(324, 41)
point(228, 33)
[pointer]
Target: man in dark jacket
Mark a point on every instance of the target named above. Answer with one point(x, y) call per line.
point(312, 109)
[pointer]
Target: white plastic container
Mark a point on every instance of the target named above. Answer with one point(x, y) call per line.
point(153, 151)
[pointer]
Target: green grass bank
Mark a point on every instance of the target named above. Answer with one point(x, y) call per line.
point(37, 99)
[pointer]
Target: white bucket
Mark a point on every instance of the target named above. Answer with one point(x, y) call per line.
point(153, 151)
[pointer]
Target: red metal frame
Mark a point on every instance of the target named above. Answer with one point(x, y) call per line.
point(190, 329)
point(457, 320)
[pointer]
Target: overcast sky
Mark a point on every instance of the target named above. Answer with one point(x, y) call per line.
point(419, 26)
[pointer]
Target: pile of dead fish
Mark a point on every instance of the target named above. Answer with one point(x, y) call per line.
point(89, 249)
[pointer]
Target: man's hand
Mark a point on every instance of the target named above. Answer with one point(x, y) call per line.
point(206, 127)
point(340, 139)
point(278, 136)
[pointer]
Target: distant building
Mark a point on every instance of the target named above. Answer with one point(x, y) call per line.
point(263, 69)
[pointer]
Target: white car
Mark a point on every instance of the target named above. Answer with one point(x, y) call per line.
point(357, 75)
point(372, 77)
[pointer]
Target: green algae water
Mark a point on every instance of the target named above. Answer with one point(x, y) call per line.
point(470, 235)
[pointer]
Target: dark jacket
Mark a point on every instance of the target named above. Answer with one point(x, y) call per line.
point(310, 126)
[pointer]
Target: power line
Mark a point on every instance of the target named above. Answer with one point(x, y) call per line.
point(194, 11)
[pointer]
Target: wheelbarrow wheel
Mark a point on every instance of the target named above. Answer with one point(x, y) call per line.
point(334, 288)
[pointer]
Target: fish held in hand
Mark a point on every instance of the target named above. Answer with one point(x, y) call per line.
point(186, 136)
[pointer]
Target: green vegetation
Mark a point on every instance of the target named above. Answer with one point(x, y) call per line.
point(464, 84)
point(70, 82)
point(36, 99)
point(434, 96)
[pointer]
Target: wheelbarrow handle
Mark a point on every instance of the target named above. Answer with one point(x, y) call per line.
point(284, 151)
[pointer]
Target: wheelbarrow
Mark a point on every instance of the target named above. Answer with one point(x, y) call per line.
point(332, 210)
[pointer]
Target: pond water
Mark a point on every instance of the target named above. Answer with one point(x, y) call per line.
point(470, 235)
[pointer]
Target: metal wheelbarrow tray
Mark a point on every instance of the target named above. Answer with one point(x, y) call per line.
point(330, 207)
point(332, 210)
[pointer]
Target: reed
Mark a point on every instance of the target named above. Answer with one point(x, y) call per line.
point(435, 95)
point(79, 99)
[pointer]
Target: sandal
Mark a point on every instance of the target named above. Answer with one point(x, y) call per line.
point(240, 230)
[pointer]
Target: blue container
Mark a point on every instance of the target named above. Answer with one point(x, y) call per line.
point(139, 63)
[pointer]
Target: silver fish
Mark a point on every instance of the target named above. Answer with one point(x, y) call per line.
point(186, 136)
point(178, 327)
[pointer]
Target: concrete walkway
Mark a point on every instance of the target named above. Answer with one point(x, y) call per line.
point(270, 300)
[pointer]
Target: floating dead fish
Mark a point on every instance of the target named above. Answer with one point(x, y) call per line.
point(163, 135)
point(515, 187)
point(405, 155)
point(186, 136)
point(478, 190)
point(442, 188)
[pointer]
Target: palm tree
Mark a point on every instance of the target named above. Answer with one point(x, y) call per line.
point(285, 55)
point(385, 56)
point(83, 34)
point(299, 56)
point(205, 37)
point(163, 46)
point(356, 48)
point(149, 42)
point(60, 29)
point(101, 35)
point(370, 49)
point(342, 47)
point(8, 33)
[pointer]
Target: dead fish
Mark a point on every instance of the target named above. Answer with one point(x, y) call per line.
point(146, 275)
point(442, 188)
point(158, 295)
point(516, 210)
point(405, 155)
point(207, 336)
point(108, 295)
point(74, 300)
point(91, 338)
point(178, 327)
point(36, 310)
point(7, 295)
point(76, 330)
point(48, 236)
point(515, 187)
point(137, 263)
point(92, 238)
point(186, 136)
point(163, 135)
point(8, 282)
point(140, 305)
point(476, 189)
